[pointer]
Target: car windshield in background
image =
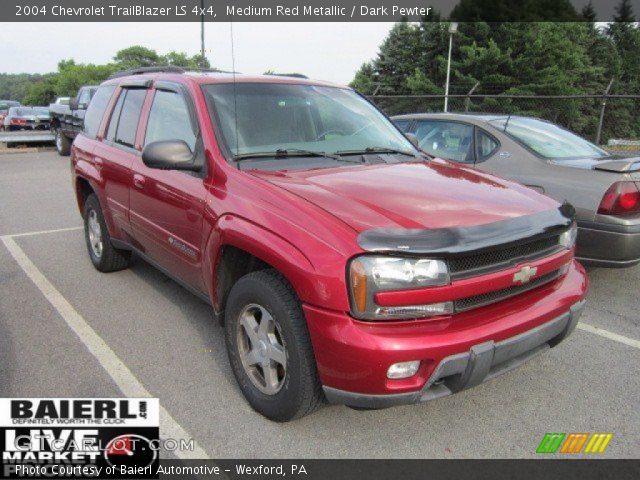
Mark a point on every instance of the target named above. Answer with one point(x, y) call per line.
point(300, 120)
point(549, 140)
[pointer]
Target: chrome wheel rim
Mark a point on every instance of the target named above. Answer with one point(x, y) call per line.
point(95, 233)
point(262, 349)
point(58, 141)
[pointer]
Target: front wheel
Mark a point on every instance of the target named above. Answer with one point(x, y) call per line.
point(269, 347)
point(103, 255)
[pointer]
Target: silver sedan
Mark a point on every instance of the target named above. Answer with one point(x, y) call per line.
point(604, 189)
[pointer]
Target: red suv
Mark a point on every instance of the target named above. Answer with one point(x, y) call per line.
point(344, 263)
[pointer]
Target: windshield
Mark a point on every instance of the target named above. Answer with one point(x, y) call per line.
point(549, 140)
point(282, 117)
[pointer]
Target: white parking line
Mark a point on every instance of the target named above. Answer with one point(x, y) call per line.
point(42, 232)
point(117, 370)
point(610, 335)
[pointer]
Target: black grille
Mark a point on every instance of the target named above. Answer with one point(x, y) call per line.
point(478, 264)
point(491, 297)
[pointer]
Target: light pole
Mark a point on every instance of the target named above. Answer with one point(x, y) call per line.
point(453, 28)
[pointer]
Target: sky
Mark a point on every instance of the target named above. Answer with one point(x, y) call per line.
point(323, 51)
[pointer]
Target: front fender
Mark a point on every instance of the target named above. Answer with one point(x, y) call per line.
point(315, 283)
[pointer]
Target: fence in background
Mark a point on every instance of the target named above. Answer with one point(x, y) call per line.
point(596, 117)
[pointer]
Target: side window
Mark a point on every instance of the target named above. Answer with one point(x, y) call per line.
point(85, 97)
point(486, 145)
point(97, 107)
point(169, 119)
point(115, 116)
point(129, 116)
point(448, 140)
point(403, 124)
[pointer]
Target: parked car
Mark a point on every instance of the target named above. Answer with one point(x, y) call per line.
point(67, 120)
point(5, 105)
point(604, 188)
point(27, 118)
point(343, 262)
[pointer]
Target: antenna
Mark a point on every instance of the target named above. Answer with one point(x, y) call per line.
point(202, 59)
point(506, 124)
point(235, 95)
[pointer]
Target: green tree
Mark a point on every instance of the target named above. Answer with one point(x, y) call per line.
point(136, 56)
point(71, 76)
point(41, 93)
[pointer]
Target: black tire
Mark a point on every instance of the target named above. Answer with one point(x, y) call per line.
point(109, 259)
point(301, 392)
point(63, 144)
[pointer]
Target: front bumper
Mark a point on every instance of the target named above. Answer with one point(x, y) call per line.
point(455, 352)
point(602, 245)
point(482, 362)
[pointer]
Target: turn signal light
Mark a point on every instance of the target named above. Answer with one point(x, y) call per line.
point(359, 285)
point(622, 198)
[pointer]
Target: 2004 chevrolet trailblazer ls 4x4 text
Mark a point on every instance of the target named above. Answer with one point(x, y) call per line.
point(344, 262)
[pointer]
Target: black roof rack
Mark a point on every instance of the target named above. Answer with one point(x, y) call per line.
point(293, 75)
point(142, 70)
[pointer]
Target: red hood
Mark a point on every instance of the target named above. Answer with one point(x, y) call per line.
point(434, 194)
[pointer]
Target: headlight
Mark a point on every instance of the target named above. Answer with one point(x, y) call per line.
point(568, 238)
point(369, 275)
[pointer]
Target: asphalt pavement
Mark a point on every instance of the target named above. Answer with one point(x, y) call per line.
point(67, 330)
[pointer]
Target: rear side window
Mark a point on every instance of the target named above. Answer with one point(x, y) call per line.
point(93, 117)
point(124, 121)
point(487, 145)
point(448, 140)
point(169, 119)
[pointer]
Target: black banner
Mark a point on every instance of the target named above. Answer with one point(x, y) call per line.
point(303, 10)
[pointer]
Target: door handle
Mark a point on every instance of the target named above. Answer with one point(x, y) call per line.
point(138, 181)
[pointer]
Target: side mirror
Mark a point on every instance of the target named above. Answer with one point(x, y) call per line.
point(413, 139)
point(73, 104)
point(169, 155)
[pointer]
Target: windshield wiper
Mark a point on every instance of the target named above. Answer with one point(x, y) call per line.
point(375, 150)
point(288, 153)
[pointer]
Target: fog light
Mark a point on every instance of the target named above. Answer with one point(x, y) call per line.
point(416, 311)
point(403, 369)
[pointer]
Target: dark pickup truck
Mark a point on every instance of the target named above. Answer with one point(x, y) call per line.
point(68, 120)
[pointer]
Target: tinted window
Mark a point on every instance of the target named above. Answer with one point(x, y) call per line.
point(169, 119)
point(402, 124)
point(85, 97)
point(129, 116)
point(448, 140)
point(115, 116)
point(487, 145)
point(96, 109)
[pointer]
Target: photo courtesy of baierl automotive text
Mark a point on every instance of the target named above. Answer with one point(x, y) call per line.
point(309, 239)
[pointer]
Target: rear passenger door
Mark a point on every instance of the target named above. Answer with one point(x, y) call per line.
point(167, 205)
point(115, 155)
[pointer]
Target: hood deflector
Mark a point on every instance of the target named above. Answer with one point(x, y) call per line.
point(445, 242)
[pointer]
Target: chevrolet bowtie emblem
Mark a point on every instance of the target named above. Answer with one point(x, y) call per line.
point(525, 275)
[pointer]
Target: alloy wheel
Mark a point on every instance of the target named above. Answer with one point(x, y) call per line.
point(262, 349)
